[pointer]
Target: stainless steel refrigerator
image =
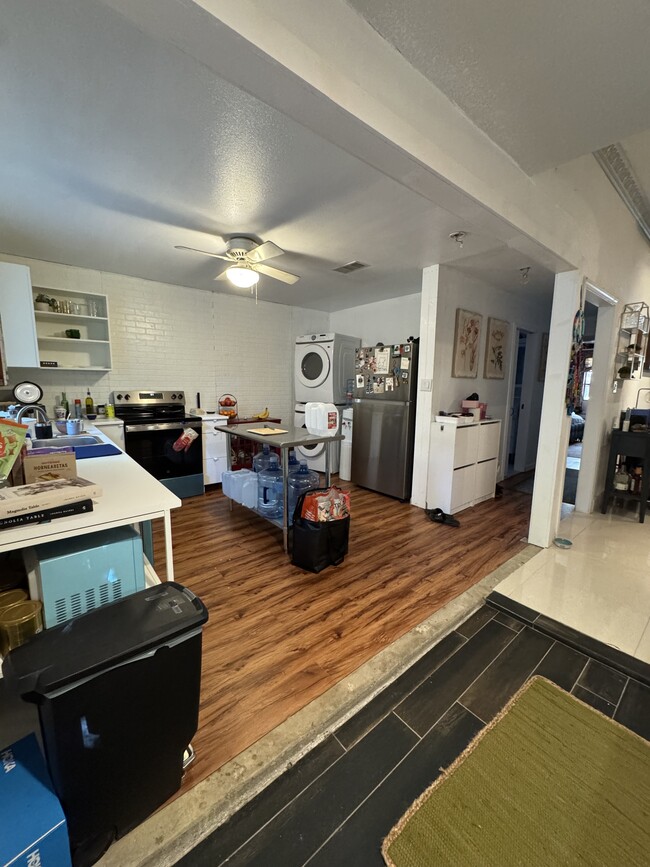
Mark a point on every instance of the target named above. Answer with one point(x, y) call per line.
point(385, 390)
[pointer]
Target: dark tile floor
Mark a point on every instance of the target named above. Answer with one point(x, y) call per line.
point(335, 806)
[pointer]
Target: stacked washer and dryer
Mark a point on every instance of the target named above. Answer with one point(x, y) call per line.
point(323, 365)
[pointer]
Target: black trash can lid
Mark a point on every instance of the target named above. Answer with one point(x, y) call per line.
point(103, 638)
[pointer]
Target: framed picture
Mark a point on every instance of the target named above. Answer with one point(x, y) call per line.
point(495, 349)
point(543, 352)
point(467, 340)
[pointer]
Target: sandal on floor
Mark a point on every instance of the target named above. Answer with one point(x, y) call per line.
point(440, 517)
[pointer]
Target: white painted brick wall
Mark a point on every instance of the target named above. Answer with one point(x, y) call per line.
point(165, 336)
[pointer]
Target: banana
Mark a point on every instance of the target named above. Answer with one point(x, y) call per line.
point(264, 414)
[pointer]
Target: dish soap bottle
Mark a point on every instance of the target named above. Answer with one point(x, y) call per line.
point(89, 404)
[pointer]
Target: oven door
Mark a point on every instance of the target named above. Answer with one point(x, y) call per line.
point(151, 445)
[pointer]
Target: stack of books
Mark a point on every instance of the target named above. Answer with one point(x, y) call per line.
point(43, 501)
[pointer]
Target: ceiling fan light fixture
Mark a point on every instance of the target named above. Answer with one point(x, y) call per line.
point(242, 276)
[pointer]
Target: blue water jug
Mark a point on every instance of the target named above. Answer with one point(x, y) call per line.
point(261, 459)
point(294, 463)
point(300, 480)
point(270, 489)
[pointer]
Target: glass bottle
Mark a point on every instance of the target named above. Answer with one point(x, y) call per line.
point(89, 404)
point(621, 478)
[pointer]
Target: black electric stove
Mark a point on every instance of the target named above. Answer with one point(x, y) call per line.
point(153, 423)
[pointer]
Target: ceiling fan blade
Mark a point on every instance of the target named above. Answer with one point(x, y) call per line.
point(203, 252)
point(222, 276)
point(284, 276)
point(265, 251)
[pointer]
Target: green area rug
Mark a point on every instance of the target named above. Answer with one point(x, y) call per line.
point(550, 781)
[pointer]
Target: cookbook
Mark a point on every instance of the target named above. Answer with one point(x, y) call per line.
point(44, 495)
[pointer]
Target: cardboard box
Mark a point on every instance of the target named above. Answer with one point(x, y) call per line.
point(45, 465)
point(469, 405)
point(33, 830)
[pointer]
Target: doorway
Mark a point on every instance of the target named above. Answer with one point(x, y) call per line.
point(579, 415)
point(516, 445)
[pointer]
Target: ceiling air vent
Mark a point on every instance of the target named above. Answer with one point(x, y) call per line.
point(350, 267)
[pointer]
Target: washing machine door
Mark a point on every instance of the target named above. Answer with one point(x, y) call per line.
point(313, 365)
point(310, 451)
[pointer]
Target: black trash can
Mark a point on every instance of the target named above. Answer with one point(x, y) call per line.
point(117, 691)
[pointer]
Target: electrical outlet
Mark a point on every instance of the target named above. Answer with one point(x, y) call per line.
point(425, 385)
point(615, 387)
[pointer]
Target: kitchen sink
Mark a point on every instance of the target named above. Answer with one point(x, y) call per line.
point(60, 442)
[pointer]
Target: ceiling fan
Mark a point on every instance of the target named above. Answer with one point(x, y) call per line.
point(247, 258)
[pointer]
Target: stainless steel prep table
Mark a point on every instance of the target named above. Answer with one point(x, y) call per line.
point(294, 436)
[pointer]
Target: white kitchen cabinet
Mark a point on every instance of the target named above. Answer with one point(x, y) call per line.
point(85, 313)
point(215, 456)
point(17, 316)
point(463, 460)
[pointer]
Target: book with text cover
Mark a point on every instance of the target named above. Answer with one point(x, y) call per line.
point(44, 516)
point(45, 495)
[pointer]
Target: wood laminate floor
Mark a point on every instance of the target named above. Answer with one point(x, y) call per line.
point(278, 636)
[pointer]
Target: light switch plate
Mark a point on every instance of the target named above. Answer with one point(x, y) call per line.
point(425, 385)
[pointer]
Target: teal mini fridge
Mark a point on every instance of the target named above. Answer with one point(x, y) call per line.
point(76, 575)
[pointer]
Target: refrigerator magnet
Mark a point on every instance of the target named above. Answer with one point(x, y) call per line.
point(389, 383)
point(406, 348)
point(360, 380)
point(405, 374)
point(404, 363)
point(396, 349)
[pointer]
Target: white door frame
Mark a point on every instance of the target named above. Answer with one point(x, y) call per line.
point(591, 478)
point(554, 425)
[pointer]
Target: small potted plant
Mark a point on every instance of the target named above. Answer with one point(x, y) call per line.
point(42, 302)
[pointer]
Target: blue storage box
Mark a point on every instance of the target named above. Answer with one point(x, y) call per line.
point(73, 576)
point(32, 825)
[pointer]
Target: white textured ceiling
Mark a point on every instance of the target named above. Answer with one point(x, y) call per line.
point(115, 147)
point(547, 80)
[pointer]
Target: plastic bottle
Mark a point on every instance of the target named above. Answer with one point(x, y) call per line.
point(261, 459)
point(90, 409)
point(77, 408)
point(294, 463)
point(300, 480)
point(269, 489)
point(322, 419)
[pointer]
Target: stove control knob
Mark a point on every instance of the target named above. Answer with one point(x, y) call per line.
point(179, 395)
point(119, 397)
point(173, 397)
point(127, 397)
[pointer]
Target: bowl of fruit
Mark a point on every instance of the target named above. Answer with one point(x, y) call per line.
point(228, 405)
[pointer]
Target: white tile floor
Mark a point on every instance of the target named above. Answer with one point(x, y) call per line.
point(600, 586)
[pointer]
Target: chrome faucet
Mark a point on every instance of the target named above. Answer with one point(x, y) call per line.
point(38, 410)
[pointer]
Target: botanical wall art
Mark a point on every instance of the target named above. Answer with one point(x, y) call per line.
point(466, 344)
point(495, 349)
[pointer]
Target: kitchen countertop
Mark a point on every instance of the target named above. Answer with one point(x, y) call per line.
point(130, 495)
